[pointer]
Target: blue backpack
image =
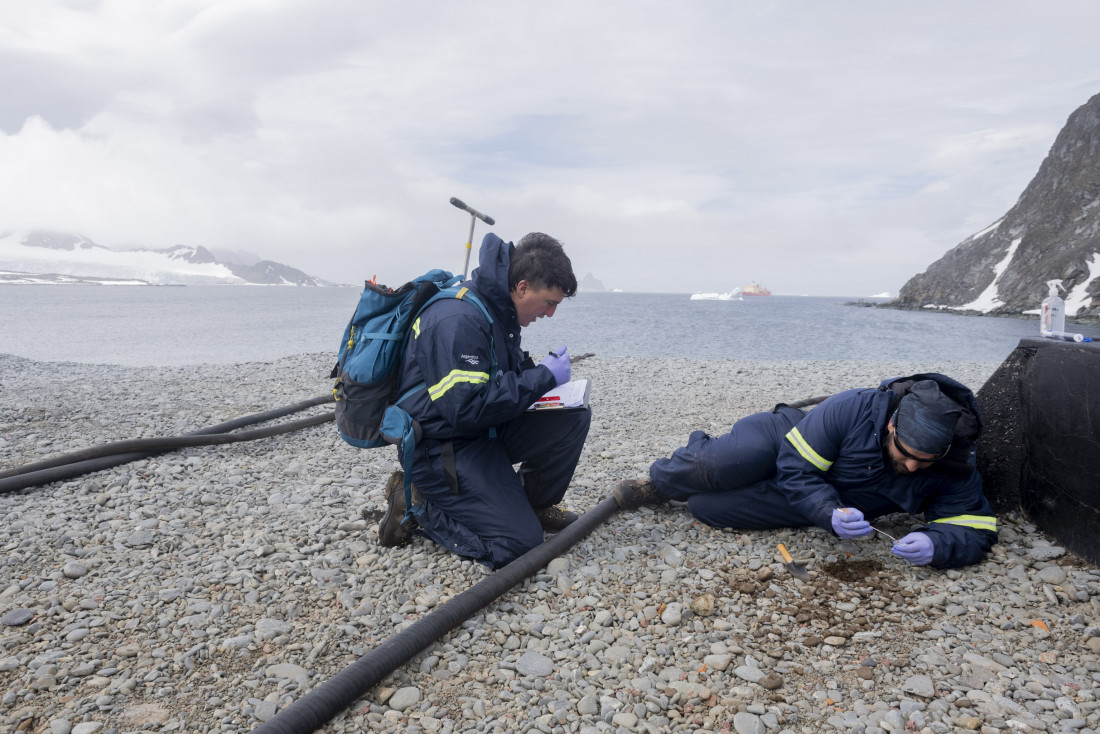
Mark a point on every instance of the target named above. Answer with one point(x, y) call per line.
point(367, 371)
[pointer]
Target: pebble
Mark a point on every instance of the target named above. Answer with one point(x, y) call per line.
point(404, 698)
point(265, 710)
point(703, 605)
point(17, 617)
point(1051, 575)
point(1045, 551)
point(287, 671)
point(746, 723)
point(770, 682)
point(919, 685)
point(225, 583)
point(722, 661)
point(673, 614)
point(535, 664)
point(74, 570)
point(749, 673)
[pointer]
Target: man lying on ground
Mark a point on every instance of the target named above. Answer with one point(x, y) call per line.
point(908, 446)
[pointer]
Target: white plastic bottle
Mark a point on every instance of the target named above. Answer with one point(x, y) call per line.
point(1052, 314)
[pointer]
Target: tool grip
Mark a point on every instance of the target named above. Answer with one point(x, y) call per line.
point(455, 201)
point(783, 552)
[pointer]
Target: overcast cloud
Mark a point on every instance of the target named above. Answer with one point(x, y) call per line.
point(822, 148)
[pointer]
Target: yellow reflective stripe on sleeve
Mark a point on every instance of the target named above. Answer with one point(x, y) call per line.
point(806, 451)
point(978, 522)
point(436, 391)
point(416, 328)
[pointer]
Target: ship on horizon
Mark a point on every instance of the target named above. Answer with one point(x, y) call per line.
point(755, 289)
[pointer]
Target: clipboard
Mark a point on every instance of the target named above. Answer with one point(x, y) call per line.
point(573, 395)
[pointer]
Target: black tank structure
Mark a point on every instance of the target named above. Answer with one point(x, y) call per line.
point(1040, 450)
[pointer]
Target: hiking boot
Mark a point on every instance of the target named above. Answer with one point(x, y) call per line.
point(391, 531)
point(554, 518)
point(631, 494)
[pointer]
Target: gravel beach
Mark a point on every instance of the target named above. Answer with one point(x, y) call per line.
point(206, 589)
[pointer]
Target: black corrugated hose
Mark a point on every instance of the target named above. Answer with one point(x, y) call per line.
point(105, 456)
point(807, 402)
point(322, 703)
point(311, 711)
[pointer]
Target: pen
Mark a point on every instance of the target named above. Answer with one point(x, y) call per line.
point(1066, 336)
point(554, 354)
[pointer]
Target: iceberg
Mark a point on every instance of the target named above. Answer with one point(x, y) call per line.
point(734, 295)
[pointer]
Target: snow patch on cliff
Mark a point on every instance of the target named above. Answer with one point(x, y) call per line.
point(988, 300)
point(1078, 298)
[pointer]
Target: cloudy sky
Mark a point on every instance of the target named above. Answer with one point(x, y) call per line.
point(822, 148)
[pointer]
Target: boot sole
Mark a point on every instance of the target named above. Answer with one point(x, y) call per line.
point(391, 532)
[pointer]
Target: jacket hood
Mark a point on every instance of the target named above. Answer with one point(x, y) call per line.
point(490, 278)
point(961, 457)
point(970, 423)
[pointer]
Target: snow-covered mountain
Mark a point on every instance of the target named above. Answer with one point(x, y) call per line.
point(50, 257)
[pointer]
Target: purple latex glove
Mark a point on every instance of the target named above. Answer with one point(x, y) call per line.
point(558, 364)
point(916, 548)
point(848, 522)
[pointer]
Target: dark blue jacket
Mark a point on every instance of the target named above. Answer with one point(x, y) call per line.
point(834, 458)
point(448, 351)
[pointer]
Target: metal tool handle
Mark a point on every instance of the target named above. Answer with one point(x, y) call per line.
point(462, 205)
point(474, 215)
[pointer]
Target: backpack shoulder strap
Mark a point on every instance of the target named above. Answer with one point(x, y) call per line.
point(463, 294)
point(467, 295)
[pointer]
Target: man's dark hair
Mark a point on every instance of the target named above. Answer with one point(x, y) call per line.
point(541, 261)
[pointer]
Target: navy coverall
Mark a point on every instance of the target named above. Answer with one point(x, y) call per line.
point(474, 425)
point(781, 469)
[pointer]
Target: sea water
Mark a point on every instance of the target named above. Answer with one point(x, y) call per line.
point(179, 325)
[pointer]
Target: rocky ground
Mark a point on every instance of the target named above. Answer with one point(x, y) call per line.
point(205, 590)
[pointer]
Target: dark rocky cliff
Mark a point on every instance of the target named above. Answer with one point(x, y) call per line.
point(1053, 231)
